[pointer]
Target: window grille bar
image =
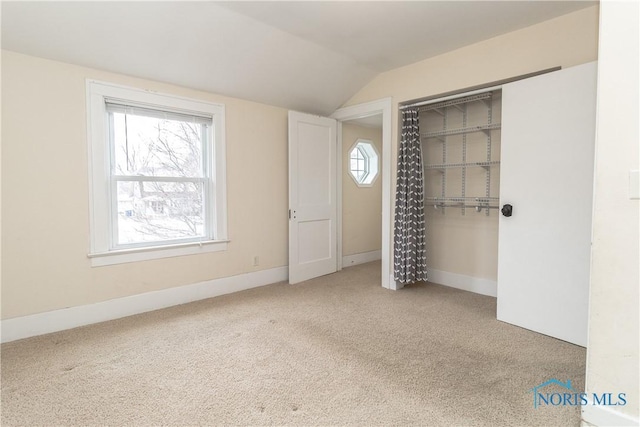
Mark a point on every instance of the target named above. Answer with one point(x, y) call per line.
point(157, 178)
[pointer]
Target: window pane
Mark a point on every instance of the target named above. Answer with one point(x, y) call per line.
point(159, 211)
point(363, 162)
point(156, 146)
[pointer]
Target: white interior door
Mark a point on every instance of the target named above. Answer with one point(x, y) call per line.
point(546, 174)
point(312, 196)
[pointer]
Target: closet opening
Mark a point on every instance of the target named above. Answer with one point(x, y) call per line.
point(460, 143)
point(494, 167)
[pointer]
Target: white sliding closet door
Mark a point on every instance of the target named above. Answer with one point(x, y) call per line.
point(548, 134)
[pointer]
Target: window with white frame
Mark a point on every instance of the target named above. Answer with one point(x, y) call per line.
point(157, 175)
point(363, 162)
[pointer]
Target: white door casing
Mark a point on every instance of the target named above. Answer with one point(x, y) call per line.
point(546, 174)
point(312, 196)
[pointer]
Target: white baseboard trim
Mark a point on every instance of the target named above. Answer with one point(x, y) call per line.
point(73, 317)
point(361, 258)
point(466, 283)
point(603, 416)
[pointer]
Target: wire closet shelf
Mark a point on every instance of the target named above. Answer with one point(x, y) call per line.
point(443, 108)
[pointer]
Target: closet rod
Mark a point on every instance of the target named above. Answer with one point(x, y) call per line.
point(476, 200)
point(478, 208)
point(458, 205)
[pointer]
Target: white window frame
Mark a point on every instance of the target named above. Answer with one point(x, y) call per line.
point(102, 249)
point(371, 160)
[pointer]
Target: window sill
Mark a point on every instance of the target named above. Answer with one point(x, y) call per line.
point(156, 252)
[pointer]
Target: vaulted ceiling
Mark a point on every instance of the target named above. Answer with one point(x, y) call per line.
point(307, 56)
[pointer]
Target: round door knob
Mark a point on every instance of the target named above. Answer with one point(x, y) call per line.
point(507, 210)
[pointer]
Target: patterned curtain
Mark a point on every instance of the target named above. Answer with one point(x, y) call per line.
point(409, 253)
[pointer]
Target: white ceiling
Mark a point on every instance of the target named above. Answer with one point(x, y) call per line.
point(306, 56)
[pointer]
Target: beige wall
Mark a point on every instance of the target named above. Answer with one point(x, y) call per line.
point(564, 41)
point(612, 352)
point(361, 206)
point(45, 206)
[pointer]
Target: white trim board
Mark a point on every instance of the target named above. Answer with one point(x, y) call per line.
point(361, 258)
point(466, 283)
point(73, 317)
point(602, 416)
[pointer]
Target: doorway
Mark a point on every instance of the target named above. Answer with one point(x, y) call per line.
point(381, 108)
point(361, 190)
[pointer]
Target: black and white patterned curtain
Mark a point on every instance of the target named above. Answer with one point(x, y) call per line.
point(410, 264)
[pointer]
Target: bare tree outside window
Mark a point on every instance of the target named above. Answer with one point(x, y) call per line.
point(160, 177)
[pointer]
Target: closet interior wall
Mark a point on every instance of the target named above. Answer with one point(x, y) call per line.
point(462, 175)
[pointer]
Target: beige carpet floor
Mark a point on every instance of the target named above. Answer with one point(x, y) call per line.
point(337, 350)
